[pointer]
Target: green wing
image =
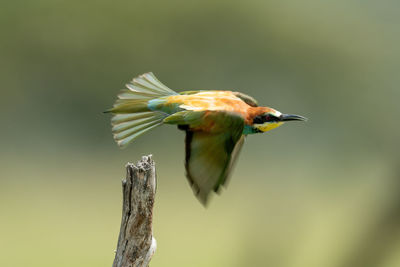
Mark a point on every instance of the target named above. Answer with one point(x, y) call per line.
point(210, 155)
point(247, 99)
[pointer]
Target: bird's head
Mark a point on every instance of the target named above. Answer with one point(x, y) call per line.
point(271, 119)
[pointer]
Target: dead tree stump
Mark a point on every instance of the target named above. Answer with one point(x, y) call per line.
point(136, 244)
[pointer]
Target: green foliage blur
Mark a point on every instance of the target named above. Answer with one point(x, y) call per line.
point(325, 193)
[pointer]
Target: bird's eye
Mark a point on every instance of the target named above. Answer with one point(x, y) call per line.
point(270, 117)
point(259, 119)
point(265, 118)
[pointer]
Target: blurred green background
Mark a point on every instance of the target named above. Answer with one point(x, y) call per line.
point(322, 193)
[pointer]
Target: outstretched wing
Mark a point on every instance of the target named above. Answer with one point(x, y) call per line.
point(213, 141)
point(232, 162)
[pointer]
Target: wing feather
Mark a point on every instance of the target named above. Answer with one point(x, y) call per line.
point(211, 156)
point(247, 99)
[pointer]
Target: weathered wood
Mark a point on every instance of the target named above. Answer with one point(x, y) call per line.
point(136, 244)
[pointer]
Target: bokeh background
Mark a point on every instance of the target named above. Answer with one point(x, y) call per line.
point(322, 193)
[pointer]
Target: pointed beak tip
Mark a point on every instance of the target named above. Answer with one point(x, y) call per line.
point(292, 117)
point(304, 118)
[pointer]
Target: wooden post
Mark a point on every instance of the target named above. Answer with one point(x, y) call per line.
point(136, 244)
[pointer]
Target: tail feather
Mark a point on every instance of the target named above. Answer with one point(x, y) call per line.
point(126, 133)
point(120, 127)
point(130, 94)
point(131, 114)
point(124, 142)
point(149, 81)
point(119, 118)
point(127, 106)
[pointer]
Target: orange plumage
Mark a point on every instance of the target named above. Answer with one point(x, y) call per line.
point(216, 123)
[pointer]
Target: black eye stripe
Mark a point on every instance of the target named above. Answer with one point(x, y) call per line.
point(258, 119)
point(273, 118)
point(265, 118)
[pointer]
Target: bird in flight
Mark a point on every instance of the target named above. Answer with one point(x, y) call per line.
point(216, 124)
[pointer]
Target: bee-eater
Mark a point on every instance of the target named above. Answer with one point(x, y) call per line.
point(216, 124)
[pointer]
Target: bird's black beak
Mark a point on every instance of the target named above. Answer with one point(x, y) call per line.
point(291, 117)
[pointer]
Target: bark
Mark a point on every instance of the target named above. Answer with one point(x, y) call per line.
point(136, 244)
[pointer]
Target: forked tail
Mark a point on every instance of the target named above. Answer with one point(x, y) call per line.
point(131, 115)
